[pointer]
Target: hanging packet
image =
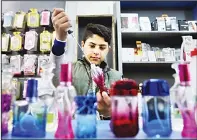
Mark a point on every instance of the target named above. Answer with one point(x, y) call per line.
point(45, 41)
point(20, 20)
point(31, 39)
point(8, 20)
point(16, 41)
point(5, 42)
point(30, 62)
point(33, 18)
point(45, 18)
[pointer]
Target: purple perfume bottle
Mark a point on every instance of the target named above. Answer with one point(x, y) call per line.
point(6, 97)
point(64, 97)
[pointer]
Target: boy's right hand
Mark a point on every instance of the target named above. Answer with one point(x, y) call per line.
point(61, 23)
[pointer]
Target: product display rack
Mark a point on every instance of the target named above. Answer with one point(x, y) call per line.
point(127, 38)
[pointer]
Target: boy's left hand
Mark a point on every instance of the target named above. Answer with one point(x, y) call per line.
point(103, 103)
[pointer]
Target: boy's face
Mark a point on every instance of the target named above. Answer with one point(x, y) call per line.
point(95, 49)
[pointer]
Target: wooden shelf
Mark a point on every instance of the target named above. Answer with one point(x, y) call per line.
point(155, 34)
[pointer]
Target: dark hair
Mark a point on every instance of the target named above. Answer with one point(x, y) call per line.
point(98, 29)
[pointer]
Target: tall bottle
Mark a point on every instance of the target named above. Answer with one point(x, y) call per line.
point(6, 97)
point(46, 94)
point(174, 108)
point(186, 100)
point(64, 97)
point(29, 116)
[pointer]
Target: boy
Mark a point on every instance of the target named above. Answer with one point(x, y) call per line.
point(95, 45)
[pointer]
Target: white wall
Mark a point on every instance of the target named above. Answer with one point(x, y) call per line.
point(26, 5)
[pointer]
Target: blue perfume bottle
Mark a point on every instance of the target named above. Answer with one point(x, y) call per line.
point(29, 116)
point(156, 112)
point(86, 120)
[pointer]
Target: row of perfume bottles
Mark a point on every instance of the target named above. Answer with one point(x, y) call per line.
point(30, 64)
point(33, 19)
point(124, 118)
point(28, 42)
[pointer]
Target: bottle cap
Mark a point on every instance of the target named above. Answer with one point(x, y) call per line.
point(194, 52)
point(66, 73)
point(155, 87)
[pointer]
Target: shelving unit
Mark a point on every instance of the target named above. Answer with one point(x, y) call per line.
point(141, 71)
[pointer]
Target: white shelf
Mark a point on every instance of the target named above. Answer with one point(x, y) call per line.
point(150, 62)
point(155, 34)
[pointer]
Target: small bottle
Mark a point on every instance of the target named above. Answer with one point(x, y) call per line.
point(124, 119)
point(156, 113)
point(186, 100)
point(64, 97)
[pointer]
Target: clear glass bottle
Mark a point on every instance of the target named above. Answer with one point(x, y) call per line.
point(6, 97)
point(174, 108)
point(64, 98)
point(124, 119)
point(46, 91)
point(156, 113)
point(186, 100)
point(29, 116)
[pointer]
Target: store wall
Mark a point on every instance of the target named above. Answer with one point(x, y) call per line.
point(26, 5)
point(72, 8)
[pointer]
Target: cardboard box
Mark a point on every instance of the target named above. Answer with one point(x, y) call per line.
point(130, 21)
point(183, 25)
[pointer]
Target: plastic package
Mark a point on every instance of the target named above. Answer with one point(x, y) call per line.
point(42, 61)
point(45, 19)
point(45, 41)
point(8, 20)
point(16, 42)
point(20, 20)
point(5, 42)
point(5, 59)
point(156, 113)
point(16, 63)
point(33, 18)
point(31, 39)
point(30, 63)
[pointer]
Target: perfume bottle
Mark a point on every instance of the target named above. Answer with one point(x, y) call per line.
point(46, 93)
point(29, 116)
point(174, 108)
point(186, 100)
point(6, 97)
point(156, 113)
point(64, 98)
point(86, 120)
point(124, 119)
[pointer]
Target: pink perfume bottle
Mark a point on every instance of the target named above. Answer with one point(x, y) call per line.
point(186, 100)
point(64, 97)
